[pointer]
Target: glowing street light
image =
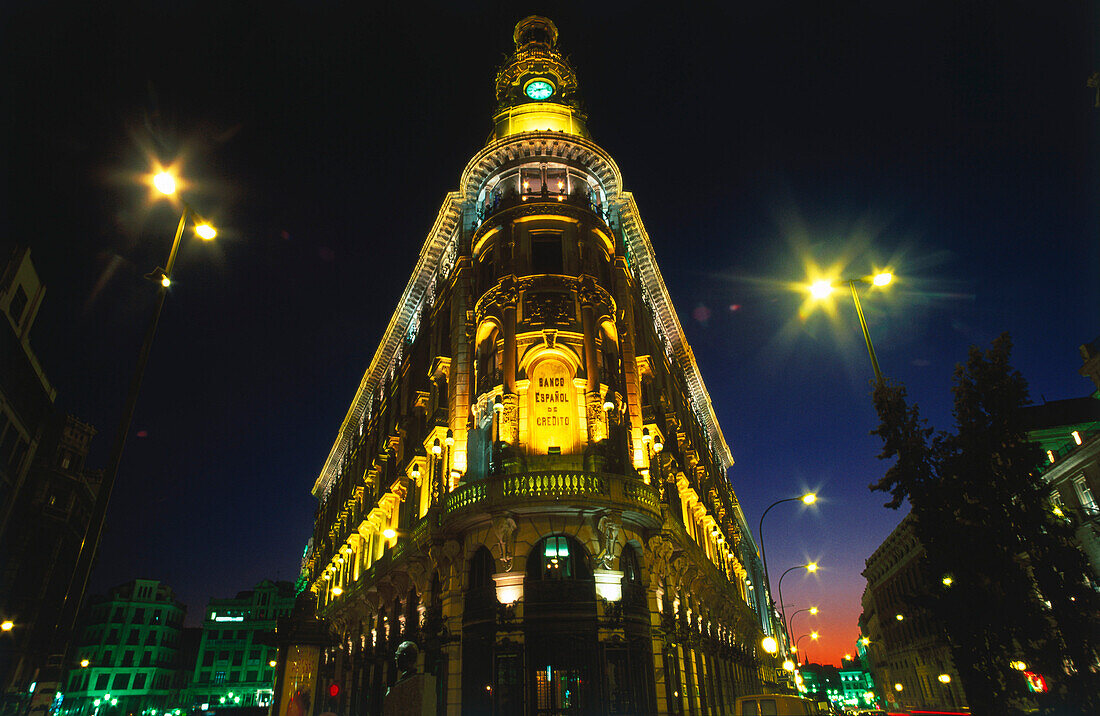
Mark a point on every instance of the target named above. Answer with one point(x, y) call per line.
point(944, 678)
point(7, 625)
point(807, 499)
point(769, 644)
point(823, 289)
point(84, 663)
point(166, 184)
point(790, 622)
point(811, 567)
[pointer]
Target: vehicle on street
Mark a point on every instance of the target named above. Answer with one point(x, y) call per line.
point(776, 705)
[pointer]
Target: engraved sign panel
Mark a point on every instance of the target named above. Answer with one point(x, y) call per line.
point(552, 421)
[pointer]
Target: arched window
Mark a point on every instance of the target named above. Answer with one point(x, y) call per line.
point(481, 569)
point(559, 557)
point(628, 565)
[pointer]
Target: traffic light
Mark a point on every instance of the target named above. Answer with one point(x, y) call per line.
point(334, 690)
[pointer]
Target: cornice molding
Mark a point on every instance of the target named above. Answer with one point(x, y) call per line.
point(642, 257)
point(534, 145)
point(446, 225)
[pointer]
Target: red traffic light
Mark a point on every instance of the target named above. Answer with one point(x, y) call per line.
point(333, 689)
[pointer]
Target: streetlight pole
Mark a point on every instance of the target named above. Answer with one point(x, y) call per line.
point(809, 498)
point(813, 635)
point(822, 289)
point(811, 567)
point(866, 333)
point(790, 622)
point(90, 544)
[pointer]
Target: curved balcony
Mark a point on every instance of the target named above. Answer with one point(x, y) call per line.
point(580, 197)
point(537, 490)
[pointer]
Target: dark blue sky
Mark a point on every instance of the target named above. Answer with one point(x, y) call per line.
point(957, 142)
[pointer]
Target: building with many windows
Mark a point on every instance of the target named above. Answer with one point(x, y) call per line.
point(530, 481)
point(907, 651)
point(128, 651)
point(235, 662)
point(46, 500)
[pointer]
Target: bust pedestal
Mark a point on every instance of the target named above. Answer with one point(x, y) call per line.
point(412, 696)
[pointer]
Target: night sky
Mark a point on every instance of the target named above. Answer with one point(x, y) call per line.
point(956, 142)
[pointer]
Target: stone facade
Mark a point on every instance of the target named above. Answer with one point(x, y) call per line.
point(530, 482)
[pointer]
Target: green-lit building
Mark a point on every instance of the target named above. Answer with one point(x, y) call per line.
point(1068, 431)
point(128, 656)
point(234, 666)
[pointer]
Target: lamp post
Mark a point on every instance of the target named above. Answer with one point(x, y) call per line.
point(808, 499)
point(821, 289)
point(790, 622)
point(811, 568)
point(813, 636)
point(165, 183)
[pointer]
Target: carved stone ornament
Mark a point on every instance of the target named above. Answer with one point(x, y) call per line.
point(549, 308)
point(608, 528)
point(504, 527)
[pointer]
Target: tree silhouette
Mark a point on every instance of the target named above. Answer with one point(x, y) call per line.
point(1020, 587)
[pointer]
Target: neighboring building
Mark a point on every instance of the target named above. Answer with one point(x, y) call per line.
point(131, 641)
point(857, 689)
point(233, 666)
point(909, 652)
point(530, 481)
point(1068, 431)
point(46, 499)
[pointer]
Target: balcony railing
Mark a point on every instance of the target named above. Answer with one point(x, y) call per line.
point(554, 486)
point(578, 198)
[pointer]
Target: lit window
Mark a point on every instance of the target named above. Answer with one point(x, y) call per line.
point(1088, 503)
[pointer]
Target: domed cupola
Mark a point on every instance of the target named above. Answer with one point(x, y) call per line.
point(536, 90)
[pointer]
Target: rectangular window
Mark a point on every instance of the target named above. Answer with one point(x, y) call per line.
point(139, 616)
point(208, 658)
point(546, 256)
point(250, 676)
point(101, 681)
point(139, 681)
point(18, 305)
point(127, 659)
point(219, 677)
point(147, 658)
point(122, 681)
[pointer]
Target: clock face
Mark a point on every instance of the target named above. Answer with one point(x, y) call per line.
point(538, 89)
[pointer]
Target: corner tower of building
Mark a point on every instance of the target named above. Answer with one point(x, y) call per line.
point(536, 89)
point(530, 482)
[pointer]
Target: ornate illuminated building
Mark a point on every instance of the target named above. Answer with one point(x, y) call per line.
point(530, 482)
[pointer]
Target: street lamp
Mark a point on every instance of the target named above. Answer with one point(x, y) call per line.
point(790, 622)
point(822, 289)
point(811, 568)
point(165, 183)
point(808, 499)
point(813, 637)
point(7, 625)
